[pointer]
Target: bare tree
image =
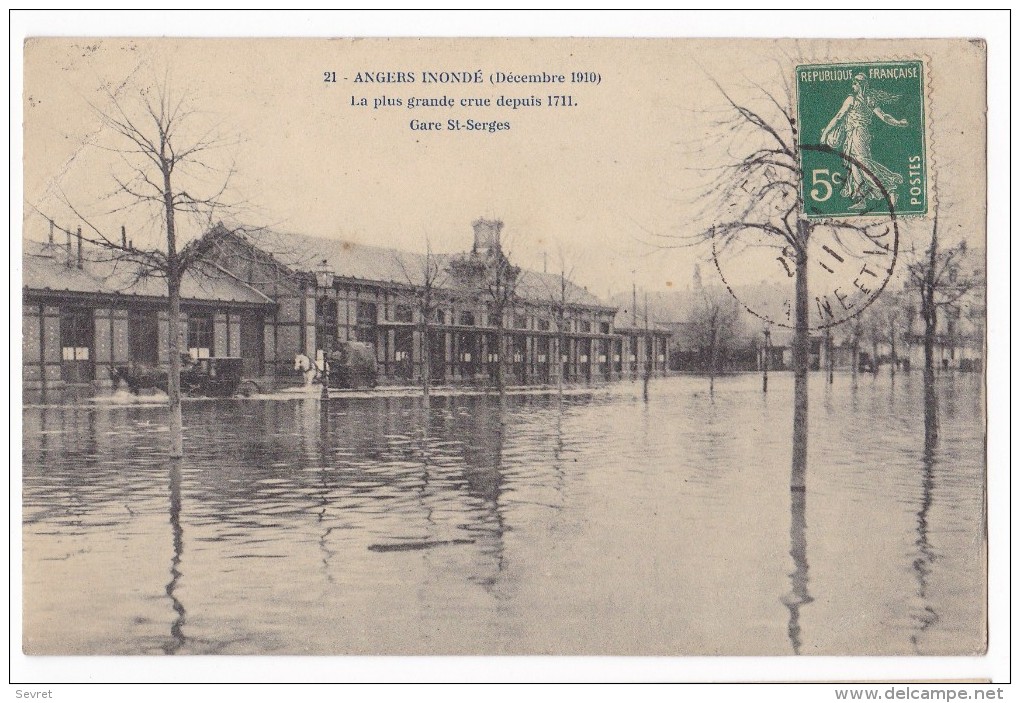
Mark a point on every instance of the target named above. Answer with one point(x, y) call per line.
point(830, 362)
point(560, 318)
point(974, 314)
point(649, 339)
point(880, 325)
point(559, 297)
point(855, 334)
point(907, 317)
point(942, 279)
point(164, 167)
point(892, 324)
point(715, 324)
point(756, 193)
point(492, 276)
point(501, 287)
point(888, 325)
point(755, 200)
point(426, 281)
point(875, 333)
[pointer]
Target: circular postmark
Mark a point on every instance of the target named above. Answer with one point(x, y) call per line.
point(850, 260)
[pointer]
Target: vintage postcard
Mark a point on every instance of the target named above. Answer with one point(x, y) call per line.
point(421, 346)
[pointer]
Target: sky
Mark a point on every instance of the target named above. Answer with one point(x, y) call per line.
point(611, 188)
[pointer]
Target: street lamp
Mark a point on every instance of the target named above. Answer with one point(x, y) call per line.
point(324, 275)
point(324, 281)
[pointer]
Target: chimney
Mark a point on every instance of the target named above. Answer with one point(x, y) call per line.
point(51, 232)
point(486, 235)
point(70, 250)
point(79, 247)
point(123, 237)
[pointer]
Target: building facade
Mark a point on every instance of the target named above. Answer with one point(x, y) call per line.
point(417, 309)
point(84, 314)
point(266, 297)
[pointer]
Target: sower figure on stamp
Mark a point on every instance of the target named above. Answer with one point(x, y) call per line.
point(849, 132)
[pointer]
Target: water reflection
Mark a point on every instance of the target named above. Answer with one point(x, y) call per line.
point(798, 595)
point(540, 525)
point(926, 617)
point(177, 638)
point(325, 441)
point(484, 474)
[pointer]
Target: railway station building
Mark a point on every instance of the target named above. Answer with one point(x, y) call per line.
point(267, 296)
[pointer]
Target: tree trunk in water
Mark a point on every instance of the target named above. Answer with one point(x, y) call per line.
point(931, 417)
point(892, 350)
point(426, 362)
point(765, 365)
point(874, 358)
point(829, 350)
point(929, 313)
point(649, 339)
point(648, 366)
point(801, 341)
point(559, 360)
point(174, 379)
point(561, 339)
point(855, 361)
point(713, 360)
point(500, 343)
point(174, 274)
point(177, 627)
point(929, 350)
point(798, 595)
point(930, 399)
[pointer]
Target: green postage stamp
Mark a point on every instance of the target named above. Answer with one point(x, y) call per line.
point(862, 128)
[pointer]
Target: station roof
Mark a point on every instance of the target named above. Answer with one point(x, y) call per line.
point(49, 268)
point(348, 259)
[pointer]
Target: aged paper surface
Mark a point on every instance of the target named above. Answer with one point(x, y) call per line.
point(627, 464)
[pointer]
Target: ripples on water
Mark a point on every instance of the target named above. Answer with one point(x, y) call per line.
point(602, 525)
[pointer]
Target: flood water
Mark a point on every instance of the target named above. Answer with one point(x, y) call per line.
point(599, 525)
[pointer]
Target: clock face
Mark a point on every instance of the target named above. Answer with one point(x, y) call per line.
point(849, 264)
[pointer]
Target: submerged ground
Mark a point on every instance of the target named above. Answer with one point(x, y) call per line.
point(598, 524)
